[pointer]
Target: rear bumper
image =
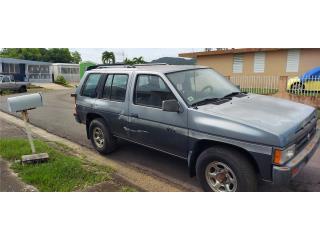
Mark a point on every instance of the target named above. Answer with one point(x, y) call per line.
point(283, 174)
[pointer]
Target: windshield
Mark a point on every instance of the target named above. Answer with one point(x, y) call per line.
point(197, 85)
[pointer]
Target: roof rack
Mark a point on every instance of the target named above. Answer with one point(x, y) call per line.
point(150, 64)
point(108, 66)
point(123, 65)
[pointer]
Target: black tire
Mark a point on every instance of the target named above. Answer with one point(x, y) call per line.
point(243, 170)
point(22, 89)
point(110, 142)
point(297, 87)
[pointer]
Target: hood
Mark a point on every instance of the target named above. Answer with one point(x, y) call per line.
point(262, 117)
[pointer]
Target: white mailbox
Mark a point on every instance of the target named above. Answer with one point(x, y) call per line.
point(25, 102)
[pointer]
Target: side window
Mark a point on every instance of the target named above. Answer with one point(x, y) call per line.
point(151, 90)
point(90, 86)
point(115, 87)
point(107, 87)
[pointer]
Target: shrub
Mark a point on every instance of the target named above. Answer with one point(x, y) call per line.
point(61, 81)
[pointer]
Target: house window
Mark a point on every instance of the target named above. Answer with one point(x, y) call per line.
point(293, 60)
point(237, 63)
point(259, 62)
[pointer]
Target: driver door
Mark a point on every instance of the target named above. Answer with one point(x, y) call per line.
point(149, 124)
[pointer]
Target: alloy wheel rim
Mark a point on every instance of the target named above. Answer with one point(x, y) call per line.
point(98, 137)
point(220, 177)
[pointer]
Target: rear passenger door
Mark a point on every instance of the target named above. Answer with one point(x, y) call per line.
point(111, 102)
point(149, 124)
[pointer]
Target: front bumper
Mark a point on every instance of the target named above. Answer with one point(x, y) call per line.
point(283, 174)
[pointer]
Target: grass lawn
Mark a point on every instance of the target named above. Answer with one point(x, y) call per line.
point(63, 172)
point(318, 113)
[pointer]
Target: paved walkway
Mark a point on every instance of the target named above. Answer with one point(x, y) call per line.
point(10, 182)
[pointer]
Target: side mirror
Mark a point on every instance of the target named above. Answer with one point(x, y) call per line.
point(170, 106)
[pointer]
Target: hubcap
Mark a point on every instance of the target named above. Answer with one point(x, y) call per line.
point(220, 177)
point(98, 137)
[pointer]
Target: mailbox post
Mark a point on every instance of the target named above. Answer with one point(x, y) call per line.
point(29, 135)
point(22, 104)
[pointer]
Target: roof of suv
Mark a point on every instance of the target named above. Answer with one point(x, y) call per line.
point(151, 68)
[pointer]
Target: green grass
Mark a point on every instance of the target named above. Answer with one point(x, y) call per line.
point(318, 113)
point(62, 172)
point(263, 91)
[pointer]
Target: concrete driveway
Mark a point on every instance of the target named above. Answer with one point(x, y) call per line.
point(57, 117)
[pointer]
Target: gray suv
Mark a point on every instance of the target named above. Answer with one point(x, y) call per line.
point(230, 139)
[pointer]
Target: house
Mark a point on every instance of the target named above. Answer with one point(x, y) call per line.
point(25, 70)
point(281, 62)
point(70, 71)
point(40, 72)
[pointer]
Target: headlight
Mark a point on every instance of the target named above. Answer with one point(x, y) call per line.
point(282, 156)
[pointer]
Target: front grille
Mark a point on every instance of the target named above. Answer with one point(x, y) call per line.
point(305, 138)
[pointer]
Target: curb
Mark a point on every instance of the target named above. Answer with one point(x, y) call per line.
point(146, 182)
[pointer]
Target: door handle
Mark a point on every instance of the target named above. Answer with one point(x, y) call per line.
point(135, 115)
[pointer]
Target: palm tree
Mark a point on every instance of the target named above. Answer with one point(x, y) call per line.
point(108, 57)
point(138, 60)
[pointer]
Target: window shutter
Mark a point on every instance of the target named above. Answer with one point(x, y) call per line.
point(259, 62)
point(237, 63)
point(293, 60)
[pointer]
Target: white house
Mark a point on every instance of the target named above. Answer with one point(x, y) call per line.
point(70, 71)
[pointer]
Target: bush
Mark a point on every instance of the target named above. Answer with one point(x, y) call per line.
point(61, 81)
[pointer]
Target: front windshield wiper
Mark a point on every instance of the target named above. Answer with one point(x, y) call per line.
point(204, 101)
point(232, 94)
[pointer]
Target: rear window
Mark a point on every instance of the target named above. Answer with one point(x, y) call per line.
point(90, 87)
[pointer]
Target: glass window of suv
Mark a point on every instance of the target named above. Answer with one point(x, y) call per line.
point(90, 86)
point(107, 87)
point(115, 87)
point(151, 90)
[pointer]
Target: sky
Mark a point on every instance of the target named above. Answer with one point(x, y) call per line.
point(149, 54)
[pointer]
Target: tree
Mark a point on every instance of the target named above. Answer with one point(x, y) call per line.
point(138, 60)
point(135, 60)
point(108, 57)
point(35, 54)
point(76, 57)
point(55, 55)
point(59, 55)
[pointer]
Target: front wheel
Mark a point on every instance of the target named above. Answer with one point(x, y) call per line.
point(220, 169)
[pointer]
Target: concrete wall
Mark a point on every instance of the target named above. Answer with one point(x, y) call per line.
point(275, 63)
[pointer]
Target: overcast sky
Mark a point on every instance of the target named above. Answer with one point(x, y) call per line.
point(94, 54)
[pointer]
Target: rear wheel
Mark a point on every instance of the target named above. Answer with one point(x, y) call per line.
point(297, 87)
point(22, 89)
point(220, 169)
point(101, 137)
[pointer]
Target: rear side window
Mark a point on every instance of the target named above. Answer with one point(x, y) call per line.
point(90, 87)
point(115, 87)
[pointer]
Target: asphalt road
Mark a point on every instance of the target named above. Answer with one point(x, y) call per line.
point(56, 117)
